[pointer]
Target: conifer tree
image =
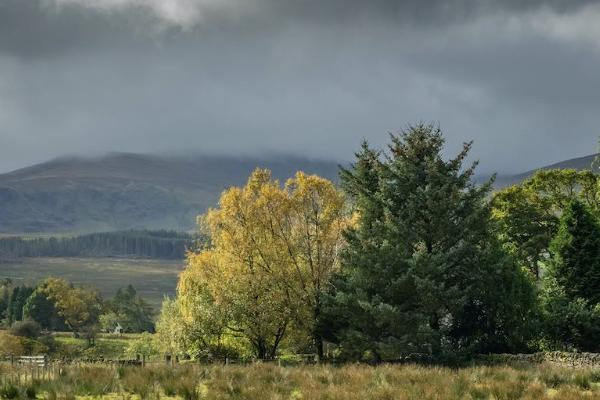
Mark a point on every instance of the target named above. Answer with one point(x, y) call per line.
point(420, 253)
point(576, 254)
point(16, 303)
point(571, 295)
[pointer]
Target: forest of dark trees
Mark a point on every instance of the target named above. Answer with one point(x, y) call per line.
point(137, 243)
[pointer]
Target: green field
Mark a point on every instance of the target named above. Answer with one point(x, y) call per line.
point(152, 278)
point(109, 348)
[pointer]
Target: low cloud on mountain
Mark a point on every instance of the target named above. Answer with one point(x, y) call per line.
point(307, 77)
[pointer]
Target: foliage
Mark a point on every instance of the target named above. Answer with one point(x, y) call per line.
point(11, 345)
point(5, 291)
point(572, 282)
point(273, 252)
point(502, 313)
point(27, 328)
point(242, 301)
point(575, 251)
point(527, 215)
point(422, 272)
point(570, 324)
point(108, 321)
point(524, 225)
point(9, 392)
point(129, 310)
point(169, 328)
point(557, 188)
point(145, 345)
point(79, 307)
point(16, 302)
point(40, 308)
point(313, 241)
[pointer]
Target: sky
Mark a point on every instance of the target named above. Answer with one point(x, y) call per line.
point(305, 77)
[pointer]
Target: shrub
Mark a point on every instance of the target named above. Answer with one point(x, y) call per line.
point(9, 392)
point(143, 346)
point(30, 392)
point(11, 345)
point(27, 329)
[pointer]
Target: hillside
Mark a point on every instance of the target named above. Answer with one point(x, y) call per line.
point(132, 191)
point(579, 163)
point(128, 191)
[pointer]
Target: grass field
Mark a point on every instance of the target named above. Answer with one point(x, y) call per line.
point(108, 348)
point(152, 278)
point(349, 382)
point(106, 345)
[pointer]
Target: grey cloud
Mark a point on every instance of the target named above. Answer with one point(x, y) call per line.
point(304, 76)
point(37, 28)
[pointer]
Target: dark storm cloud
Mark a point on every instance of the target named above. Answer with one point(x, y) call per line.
point(37, 28)
point(307, 76)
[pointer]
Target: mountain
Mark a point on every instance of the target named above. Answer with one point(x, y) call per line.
point(129, 191)
point(580, 163)
point(135, 191)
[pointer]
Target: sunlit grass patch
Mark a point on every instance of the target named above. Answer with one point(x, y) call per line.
point(346, 382)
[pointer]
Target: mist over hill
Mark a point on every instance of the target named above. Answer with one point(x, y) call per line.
point(129, 191)
point(135, 191)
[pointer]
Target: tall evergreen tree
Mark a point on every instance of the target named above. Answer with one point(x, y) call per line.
point(5, 292)
point(131, 311)
point(420, 253)
point(576, 254)
point(16, 302)
point(572, 283)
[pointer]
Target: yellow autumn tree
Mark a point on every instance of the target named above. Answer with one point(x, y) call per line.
point(272, 254)
point(313, 240)
point(80, 307)
point(169, 328)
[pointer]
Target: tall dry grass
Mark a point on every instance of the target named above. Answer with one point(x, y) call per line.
point(348, 382)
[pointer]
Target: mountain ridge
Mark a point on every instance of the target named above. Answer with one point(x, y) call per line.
point(579, 163)
point(129, 190)
point(117, 191)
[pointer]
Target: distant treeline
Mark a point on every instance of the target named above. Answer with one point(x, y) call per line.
point(138, 243)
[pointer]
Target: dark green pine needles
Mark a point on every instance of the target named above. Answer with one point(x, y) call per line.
point(422, 275)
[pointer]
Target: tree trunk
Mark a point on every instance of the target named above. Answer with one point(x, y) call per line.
point(317, 338)
point(434, 323)
point(261, 350)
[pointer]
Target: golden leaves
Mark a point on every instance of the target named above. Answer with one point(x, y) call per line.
point(273, 250)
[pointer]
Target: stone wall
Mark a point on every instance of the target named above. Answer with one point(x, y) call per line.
point(581, 360)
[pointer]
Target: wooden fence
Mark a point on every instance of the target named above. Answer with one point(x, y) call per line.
point(25, 369)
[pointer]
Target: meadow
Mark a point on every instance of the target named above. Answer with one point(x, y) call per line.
point(153, 279)
point(347, 382)
point(106, 346)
